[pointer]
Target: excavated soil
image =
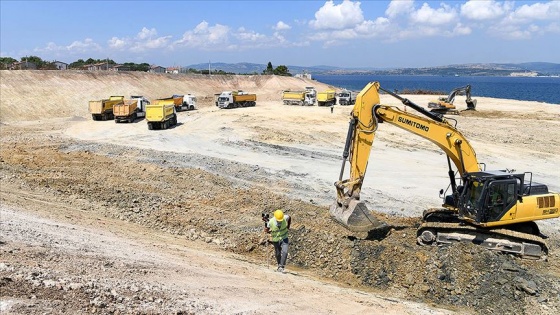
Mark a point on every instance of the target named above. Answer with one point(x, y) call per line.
point(108, 218)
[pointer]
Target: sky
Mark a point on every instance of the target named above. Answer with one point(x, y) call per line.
point(347, 34)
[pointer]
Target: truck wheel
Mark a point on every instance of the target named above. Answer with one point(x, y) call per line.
point(150, 126)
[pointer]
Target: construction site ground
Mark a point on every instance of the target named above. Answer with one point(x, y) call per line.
point(105, 218)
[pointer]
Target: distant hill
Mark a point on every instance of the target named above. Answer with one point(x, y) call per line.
point(255, 68)
point(477, 69)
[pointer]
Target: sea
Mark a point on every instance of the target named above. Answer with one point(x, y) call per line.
point(540, 89)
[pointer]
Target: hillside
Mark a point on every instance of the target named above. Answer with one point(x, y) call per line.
point(32, 95)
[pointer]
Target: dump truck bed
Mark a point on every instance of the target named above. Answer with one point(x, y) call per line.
point(245, 97)
point(159, 112)
point(125, 109)
point(293, 95)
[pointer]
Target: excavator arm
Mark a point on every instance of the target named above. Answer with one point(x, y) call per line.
point(366, 116)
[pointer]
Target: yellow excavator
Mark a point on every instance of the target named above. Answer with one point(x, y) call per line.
point(495, 209)
point(444, 105)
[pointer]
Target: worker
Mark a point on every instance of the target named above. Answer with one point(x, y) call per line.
point(278, 227)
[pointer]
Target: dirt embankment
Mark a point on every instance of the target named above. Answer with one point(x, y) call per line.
point(204, 185)
point(29, 95)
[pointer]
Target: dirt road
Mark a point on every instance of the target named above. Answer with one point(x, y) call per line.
point(114, 218)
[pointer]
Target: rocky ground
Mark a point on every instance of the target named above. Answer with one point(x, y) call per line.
point(91, 224)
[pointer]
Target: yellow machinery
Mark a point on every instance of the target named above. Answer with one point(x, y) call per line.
point(103, 109)
point(161, 116)
point(444, 105)
point(235, 99)
point(130, 109)
point(496, 209)
point(326, 98)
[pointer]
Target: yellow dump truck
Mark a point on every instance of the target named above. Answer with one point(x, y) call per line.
point(103, 109)
point(306, 97)
point(235, 99)
point(293, 97)
point(326, 98)
point(161, 116)
point(130, 109)
point(181, 102)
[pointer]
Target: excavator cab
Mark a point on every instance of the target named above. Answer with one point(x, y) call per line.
point(488, 196)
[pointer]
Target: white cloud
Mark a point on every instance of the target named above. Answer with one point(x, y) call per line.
point(116, 43)
point(144, 40)
point(397, 7)
point(427, 15)
point(539, 11)
point(524, 22)
point(335, 17)
point(485, 10)
point(146, 33)
point(87, 45)
point(281, 26)
point(205, 36)
point(251, 36)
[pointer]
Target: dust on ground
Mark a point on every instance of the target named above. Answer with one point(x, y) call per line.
point(112, 218)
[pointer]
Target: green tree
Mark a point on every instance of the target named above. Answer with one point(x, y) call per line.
point(269, 69)
point(282, 70)
point(36, 60)
point(5, 62)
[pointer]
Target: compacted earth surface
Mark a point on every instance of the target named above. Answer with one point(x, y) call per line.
point(106, 218)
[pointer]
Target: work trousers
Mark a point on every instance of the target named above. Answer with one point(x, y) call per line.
point(281, 252)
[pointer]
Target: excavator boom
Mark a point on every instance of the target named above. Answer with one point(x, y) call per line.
point(366, 115)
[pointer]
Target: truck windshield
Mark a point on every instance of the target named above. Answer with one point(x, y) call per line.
point(223, 99)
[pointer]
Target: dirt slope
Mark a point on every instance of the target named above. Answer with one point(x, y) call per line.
point(187, 201)
point(47, 94)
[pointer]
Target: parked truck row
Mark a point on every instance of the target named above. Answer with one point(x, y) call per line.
point(161, 113)
point(324, 98)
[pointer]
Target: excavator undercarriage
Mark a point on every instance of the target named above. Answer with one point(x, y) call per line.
point(443, 226)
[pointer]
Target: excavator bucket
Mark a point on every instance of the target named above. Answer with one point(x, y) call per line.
point(471, 104)
point(355, 216)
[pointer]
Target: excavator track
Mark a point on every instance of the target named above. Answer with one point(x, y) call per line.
point(504, 240)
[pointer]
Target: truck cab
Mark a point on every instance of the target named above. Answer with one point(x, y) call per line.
point(310, 95)
point(189, 101)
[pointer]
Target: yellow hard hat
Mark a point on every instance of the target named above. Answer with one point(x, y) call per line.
point(279, 215)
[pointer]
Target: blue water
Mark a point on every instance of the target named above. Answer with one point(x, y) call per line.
point(540, 89)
